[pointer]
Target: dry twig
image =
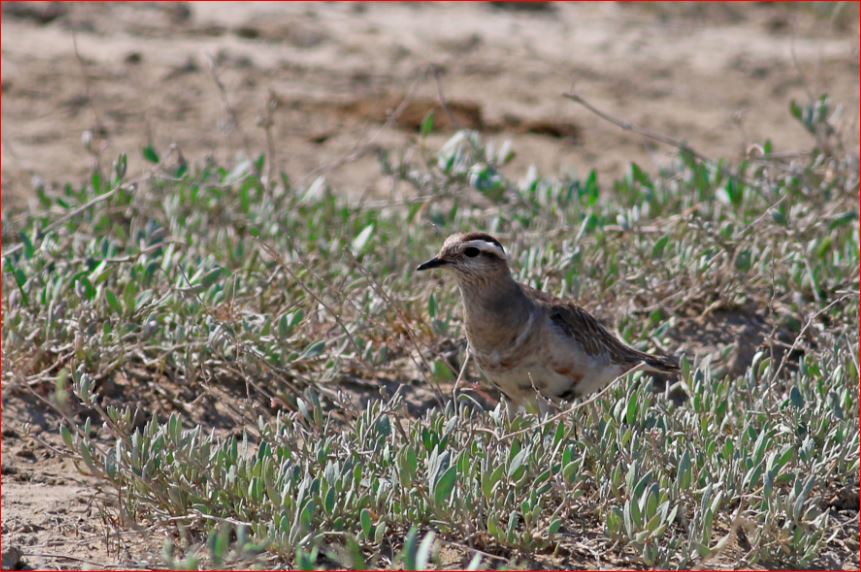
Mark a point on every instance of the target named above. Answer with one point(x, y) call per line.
point(129, 186)
point(232, 116)
point(628, 126)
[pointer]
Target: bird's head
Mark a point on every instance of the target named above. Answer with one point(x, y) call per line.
point(473, 256)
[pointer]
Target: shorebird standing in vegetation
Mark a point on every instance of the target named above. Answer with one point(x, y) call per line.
point(526, 342)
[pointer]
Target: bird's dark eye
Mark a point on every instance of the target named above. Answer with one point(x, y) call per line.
point(472, 252)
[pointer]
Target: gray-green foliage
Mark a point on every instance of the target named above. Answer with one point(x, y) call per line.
point(211, 276)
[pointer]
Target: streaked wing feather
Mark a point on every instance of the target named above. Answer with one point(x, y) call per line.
point(593, 337)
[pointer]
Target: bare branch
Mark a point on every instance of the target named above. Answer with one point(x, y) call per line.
point(232, 116)
point(628, 126)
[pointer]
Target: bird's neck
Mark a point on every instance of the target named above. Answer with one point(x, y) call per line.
point(495, 311)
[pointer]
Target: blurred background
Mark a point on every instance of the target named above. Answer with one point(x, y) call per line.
point(336, 83)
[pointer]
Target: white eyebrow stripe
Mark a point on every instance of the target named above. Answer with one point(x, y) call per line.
point(485, 246)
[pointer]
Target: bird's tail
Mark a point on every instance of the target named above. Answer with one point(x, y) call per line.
point(660, 364)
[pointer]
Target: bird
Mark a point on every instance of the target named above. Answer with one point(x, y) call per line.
point(533, 347)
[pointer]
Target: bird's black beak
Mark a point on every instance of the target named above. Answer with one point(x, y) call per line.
point(432, 263)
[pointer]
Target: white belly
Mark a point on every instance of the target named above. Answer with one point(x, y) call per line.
point(562, 374)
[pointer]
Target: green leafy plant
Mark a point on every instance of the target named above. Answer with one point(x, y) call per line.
point(260, 303)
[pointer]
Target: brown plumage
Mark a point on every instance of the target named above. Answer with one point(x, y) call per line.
point(593, 336)
point(526, 342)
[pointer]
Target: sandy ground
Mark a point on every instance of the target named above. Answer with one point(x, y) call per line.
point(718, 76)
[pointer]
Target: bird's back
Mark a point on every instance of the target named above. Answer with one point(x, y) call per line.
point(585, 349)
